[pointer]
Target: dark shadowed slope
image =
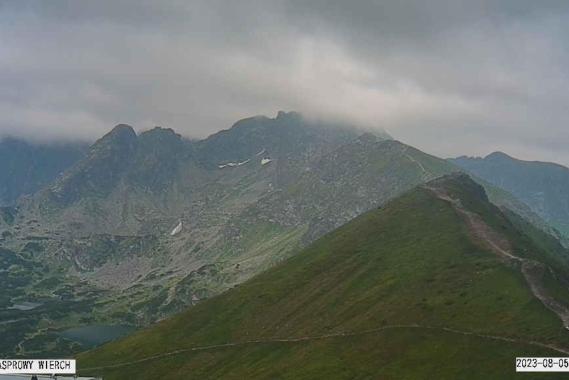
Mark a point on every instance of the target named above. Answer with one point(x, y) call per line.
point(430, 285)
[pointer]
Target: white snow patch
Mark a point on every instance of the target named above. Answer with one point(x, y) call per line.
point(176, 229)
point(233, 164)
point(265, 161)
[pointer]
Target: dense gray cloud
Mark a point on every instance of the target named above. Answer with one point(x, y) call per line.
point(450, 77)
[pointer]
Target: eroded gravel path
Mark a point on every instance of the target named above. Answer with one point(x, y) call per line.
point(532, 270)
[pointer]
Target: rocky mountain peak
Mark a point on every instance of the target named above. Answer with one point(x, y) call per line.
point(291, 115)
point(164, 138)
point(121, 131)
point(460, 185)
point(121, 137)
point(160, 131)
point(497, 156)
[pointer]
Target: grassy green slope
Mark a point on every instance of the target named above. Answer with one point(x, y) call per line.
point(411, 263)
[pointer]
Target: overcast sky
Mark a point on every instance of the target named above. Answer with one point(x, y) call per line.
point(450, 77)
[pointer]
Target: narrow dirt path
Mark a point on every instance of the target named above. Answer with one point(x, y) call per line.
point(20, 350)
point(552, 347)
point(532, 270)
point(426, 174)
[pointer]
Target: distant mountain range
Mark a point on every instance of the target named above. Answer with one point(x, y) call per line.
point(543, 186)
point(437, 281)
point(25, 168)
point(142, 226)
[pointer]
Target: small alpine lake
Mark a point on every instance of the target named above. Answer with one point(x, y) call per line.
point(94, 335)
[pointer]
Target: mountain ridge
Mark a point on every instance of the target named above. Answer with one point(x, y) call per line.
point(541, 185)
